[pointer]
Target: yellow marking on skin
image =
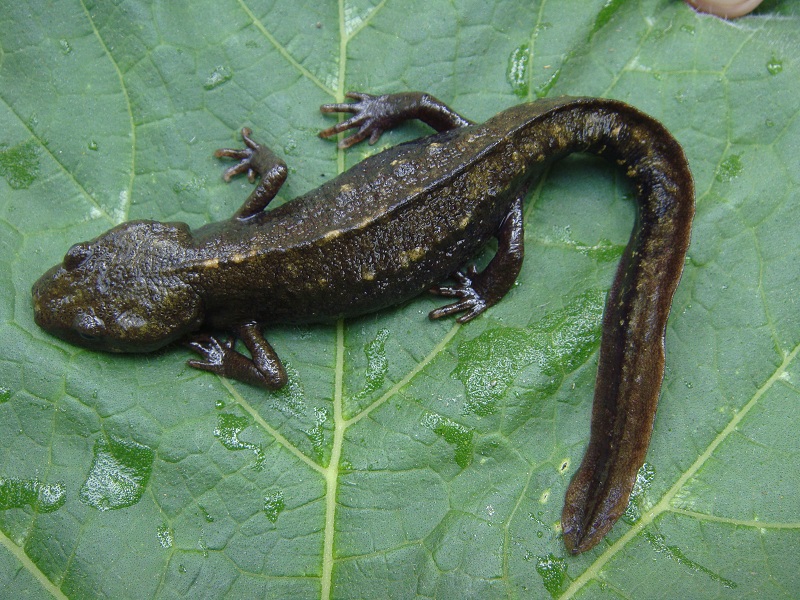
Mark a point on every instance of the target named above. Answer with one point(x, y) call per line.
point(347, 187)
point(211, 263)
point(331, 235)
point(238, 258)
point(413, 255)
point(322, 281)
point(416, 253)
point(367, 274)
point(462, 224)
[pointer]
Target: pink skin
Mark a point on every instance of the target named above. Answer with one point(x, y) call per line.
point(727, 9)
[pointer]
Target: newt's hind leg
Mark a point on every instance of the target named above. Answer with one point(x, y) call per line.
point(255, 159)
point(375, 114)
point(478, 291)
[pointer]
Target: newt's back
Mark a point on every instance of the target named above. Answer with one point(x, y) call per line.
point(382, 232)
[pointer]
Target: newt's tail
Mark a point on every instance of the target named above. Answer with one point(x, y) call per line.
point(631, 363)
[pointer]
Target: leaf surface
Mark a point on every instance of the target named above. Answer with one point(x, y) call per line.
point(405, 458)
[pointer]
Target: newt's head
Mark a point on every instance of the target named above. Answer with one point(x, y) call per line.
point(119, 292)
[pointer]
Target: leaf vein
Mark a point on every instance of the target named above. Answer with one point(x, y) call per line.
point(408, 377)
point(124, 207)
point(737, 522)
point(280, 438)
point(284, 52)
point(31, 567)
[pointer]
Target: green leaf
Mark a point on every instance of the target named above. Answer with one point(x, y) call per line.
point(405, 458)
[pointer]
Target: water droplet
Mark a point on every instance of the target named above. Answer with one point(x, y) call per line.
point(644, 479)
point(658, 542)
point(219, 404)
point(119, 474)
point(192, 185)
point(317, 433)
point(729, 168)
point(289, 399)
point(217, 77)
point(517, 70)
point(273, 505)
point(19, 164)
point(43, 498)
point(536, 518)
point(165, 537)
point(774, 66)
point(564, 466)
point(66, 48)
point(92, 145)
point(687, 29)
point(559, 343)
point(181, 569)
point(5, 395)
point(206, 515)
point(377, 364)
point(454, 434)
point(227, 432)
point(604, 251)
point(529, 556)
point(553, 571)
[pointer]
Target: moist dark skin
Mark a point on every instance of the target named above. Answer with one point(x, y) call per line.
point(393, 226)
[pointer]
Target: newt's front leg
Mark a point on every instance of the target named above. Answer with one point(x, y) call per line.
point(264, 369)
point(255, 159)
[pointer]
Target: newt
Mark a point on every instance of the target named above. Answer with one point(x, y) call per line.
point(396, 224)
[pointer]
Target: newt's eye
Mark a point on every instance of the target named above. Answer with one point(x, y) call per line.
point(76, 255)
point(88, 326)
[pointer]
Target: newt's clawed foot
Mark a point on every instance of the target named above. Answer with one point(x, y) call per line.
point(216, 353)
point(244, 156)
point(255, 159)
point(472, 300)
point(371, 114)
point(220, 357)
point(375, 114)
